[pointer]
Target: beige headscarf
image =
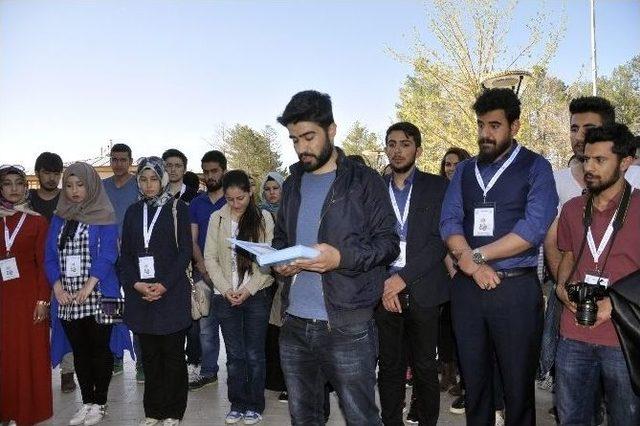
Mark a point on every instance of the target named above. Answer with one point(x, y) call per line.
point(96, 209)
point(6, 207)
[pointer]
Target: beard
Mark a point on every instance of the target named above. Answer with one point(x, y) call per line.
point(596, 188)
point(321, 159)
point(213, 185)
point(403, 169)
point(488, 154)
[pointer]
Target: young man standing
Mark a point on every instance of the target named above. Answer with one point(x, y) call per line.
point(342, 209)
point(598, 237)
point(214, 164)
point(122, 190)
point(416, 285)
point(495, 215)
point(176, 164)
point(44, 201)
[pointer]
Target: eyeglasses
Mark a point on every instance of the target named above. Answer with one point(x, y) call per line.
point(171, 166)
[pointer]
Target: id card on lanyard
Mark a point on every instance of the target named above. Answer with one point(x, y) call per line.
point(401, 260)
point(598, 277)
point(484, 213)
point(73, 262)
point(146, 263)
point(8, 265)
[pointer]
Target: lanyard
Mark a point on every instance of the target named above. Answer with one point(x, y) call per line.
point(147, 230)
point(10, 239)
point(495, 177)
point(597, 252)
point(402, 219)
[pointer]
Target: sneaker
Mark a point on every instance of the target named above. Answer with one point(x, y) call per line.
point(233, 417)
point(499, 418)
point(118, 368)
point(457, 406)
point(80, 415)
point(283, 397)
point(149, 422)
point(412, 416)
point(252, 418)
point(170, 422)
point(95, 414)
point(201, 382)
point(140, 376)
point(67, 384)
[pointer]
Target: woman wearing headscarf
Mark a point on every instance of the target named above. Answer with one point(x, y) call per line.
point(80, 256)
point(25, 375)
point(271, 192)
point(155, 252)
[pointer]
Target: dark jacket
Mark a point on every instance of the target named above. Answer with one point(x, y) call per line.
point(172, 312)
point(358, 220)
point(425, 273)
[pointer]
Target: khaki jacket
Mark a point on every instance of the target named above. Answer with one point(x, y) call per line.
point(218, 253)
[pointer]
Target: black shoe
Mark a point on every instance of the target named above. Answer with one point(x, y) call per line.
point(457, 406)
point(283, 397)
point(201, 382)
point(412, 415)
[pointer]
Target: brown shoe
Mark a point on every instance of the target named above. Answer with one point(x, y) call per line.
point(67, 384)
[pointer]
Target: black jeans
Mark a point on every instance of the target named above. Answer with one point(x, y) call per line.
point(165, 374)
point(92, 358)
point(193, 350)
point(503, 325)
point(419, 326)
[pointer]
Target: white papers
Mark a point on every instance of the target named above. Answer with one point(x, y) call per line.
point(267, 255)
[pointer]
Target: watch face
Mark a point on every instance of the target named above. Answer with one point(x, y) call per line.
point(477, 257)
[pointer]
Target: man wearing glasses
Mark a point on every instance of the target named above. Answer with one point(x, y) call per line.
point(175, 162)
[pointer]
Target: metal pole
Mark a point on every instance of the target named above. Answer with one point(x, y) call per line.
point(594, 66)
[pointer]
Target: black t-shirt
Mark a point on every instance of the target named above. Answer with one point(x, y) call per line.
point(44, 207)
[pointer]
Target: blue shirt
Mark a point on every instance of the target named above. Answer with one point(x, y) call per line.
point(306, 297)
point(539, 212)
point(121, 198)
point(401, 196)
point(200, 210)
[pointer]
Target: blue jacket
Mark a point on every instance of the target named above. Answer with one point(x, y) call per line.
point(103, 250)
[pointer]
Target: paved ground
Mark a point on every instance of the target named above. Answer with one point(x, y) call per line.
point(208, 406)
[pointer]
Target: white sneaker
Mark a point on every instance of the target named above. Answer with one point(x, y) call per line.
point(170, 422)
point(499, 418)
point(149, 422)
point(95, 414)
point(80, 415)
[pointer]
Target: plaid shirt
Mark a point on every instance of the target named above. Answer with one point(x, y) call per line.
point(79, 245)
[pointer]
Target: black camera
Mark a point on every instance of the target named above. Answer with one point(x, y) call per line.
point(586, 296)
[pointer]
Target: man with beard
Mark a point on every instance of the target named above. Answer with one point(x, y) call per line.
point(214, 164)
point(587, 356)
point(496, 212)
point(416, 285)
point(342, 209)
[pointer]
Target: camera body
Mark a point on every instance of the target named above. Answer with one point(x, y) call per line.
point(586, 296)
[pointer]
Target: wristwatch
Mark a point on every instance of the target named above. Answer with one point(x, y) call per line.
point(477, 257)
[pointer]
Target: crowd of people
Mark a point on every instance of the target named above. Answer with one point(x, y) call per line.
point(432, 279)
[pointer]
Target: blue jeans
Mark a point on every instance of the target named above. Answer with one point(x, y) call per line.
point(580, 367)
point(244, 329)
point(311, 355)
point(210, 340)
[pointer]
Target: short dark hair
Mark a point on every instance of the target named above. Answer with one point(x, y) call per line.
point(595, 104)
point(174, 153)
point(619, 134)
point(461, 153)
point(215, 157)
point(409, 130)
point(122, 147)
point(191, 180)
point(50, 162)
point(309, 105)
point(493, 99)
point(356, 158)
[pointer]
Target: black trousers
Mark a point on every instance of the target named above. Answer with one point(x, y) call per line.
point(92, 358)
point(446, 342)
point(420, 327)
point(498, 328)
point(165, 373)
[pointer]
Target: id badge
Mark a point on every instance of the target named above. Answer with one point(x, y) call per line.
point(594, 278)
point(483, 220)
point(9, 269)
point(401, 260)
point(147, 267)
point(73, 266)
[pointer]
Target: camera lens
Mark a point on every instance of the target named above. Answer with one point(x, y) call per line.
point(587, 312)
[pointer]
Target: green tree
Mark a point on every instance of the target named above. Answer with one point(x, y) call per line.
point(360, 141)
point(470, 44)
point(255, 152)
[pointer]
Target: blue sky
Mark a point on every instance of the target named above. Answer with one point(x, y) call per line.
point(160, 74)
